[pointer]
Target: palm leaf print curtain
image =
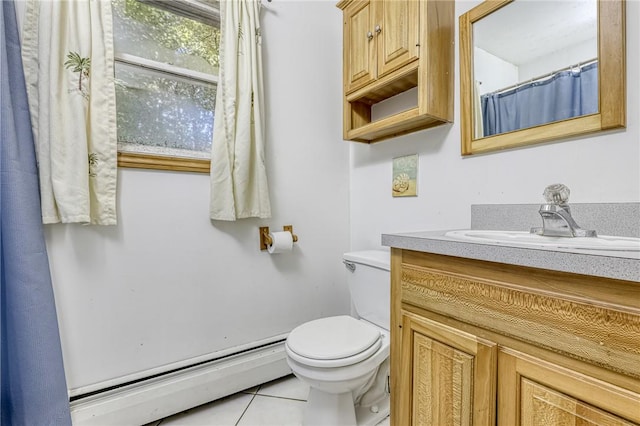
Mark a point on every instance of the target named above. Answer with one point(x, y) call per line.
point(68, 61)
point(238, 174)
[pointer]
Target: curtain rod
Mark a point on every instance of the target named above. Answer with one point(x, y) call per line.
point(545, 76)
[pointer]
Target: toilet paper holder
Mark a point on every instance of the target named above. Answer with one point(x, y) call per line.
point(265, 239)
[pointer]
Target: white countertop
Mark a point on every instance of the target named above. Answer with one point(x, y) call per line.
point(608, 264)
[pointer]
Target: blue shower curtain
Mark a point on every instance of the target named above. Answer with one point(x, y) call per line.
point(565, 95)
point(32, 381)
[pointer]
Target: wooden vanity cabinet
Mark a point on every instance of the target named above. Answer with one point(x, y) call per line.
point(389, 47)
point(534, 392)
point(450, 372)
point(481, 343)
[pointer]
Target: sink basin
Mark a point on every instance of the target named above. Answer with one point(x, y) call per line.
point(526, 239)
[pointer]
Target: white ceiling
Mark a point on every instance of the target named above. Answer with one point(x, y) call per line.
point(529, 29)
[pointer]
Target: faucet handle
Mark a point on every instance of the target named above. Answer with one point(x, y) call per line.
point(556, 194)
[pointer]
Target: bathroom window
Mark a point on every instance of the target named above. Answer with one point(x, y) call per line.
point(166, 70)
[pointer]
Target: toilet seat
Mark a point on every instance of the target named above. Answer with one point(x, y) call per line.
point(333, 342)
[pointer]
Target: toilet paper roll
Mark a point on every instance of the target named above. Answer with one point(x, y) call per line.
point(282, 242)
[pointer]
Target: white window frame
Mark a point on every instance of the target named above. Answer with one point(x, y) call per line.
point(193, 9)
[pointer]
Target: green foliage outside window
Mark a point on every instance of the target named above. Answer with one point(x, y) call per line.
point(156, 108)
point(173, 32)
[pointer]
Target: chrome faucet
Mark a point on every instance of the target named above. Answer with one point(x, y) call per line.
point(556, 215)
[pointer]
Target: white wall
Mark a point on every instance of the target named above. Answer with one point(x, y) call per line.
point(601, 168)
point(559, 59)
point(496, 73)
point(157, 288)
point(492, 72)
point(166, 284)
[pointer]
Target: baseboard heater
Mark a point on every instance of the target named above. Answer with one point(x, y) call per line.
point(154, 398)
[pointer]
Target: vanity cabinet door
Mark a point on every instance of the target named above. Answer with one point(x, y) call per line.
point(359, 45)
point(451, 376)
point(397, 34)
point(533, 392)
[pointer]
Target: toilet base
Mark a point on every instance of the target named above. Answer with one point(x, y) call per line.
point(324, 409)
point(370, 416)
point(329, 409)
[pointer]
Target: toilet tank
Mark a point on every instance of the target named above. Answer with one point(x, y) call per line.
point(370, 285)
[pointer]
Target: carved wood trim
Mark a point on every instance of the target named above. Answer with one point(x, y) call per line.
point(441, 373)
point(562, 396)
point(459, 367)
point(160, 162)
point(602, 335)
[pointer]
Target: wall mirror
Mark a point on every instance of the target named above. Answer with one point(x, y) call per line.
point(534, 71)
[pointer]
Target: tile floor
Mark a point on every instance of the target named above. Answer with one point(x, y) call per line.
point(277, 403)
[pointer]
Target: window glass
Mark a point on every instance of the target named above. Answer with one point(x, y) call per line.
point(158, 110)
point(166, 73)
point(152, 33)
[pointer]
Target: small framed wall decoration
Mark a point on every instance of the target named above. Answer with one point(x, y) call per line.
point(405, 176)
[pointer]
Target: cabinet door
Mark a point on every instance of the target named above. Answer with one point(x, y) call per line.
point(397, 33)
point(533, 392)
point(359, 46)
point(451, 376)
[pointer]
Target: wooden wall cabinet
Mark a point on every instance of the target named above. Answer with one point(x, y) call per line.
point(391, 46)
point(479, 343)
point(380, 37)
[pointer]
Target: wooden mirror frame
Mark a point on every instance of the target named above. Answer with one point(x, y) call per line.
point(611, 89)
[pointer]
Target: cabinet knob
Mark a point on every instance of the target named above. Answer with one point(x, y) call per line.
point(369, 35)
point(378, 29)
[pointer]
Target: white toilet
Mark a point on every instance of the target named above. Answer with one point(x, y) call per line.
point(345, 361)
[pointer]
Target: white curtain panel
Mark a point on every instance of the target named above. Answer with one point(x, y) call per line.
point(238, 175)
point(478, 124)
point(68, 62)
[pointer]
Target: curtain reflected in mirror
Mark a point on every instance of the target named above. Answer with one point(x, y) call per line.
point(560, 96)
point(534, 71)
point(536, 63)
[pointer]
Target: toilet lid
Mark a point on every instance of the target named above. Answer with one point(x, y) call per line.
point(333, 338)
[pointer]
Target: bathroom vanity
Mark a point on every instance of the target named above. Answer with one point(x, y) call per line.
point(488, 334)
